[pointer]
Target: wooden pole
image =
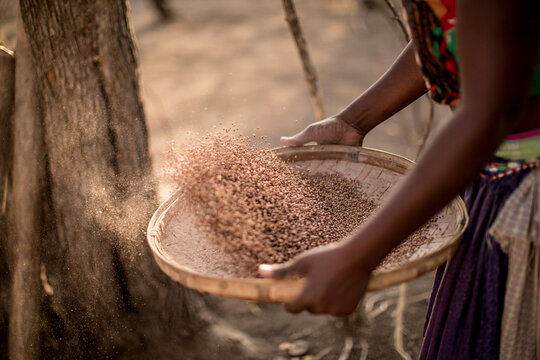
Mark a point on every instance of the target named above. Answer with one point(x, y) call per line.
point(427, 127)
point(307, 65)
point(7, 79)
point(398, 19)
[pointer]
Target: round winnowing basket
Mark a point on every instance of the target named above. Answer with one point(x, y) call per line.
point(186, 256)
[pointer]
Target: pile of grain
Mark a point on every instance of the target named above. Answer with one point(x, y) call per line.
point(260, 209)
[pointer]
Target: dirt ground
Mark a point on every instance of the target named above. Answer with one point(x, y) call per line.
point(224, 62)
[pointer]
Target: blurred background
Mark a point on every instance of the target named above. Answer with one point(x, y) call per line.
point(223, 62)
point(207, 63)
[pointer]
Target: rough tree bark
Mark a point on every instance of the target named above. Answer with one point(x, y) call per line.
point(83, 283)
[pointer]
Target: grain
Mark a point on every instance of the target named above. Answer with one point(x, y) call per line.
point(259, 209)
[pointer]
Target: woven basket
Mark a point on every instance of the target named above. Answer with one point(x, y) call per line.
point(187, 257)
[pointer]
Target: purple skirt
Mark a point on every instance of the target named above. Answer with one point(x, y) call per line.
point(465, 310)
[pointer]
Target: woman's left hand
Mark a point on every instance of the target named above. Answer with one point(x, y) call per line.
point(336, 280)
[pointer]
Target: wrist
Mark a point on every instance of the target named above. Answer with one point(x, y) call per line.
point(362, 252)
point(357, 121)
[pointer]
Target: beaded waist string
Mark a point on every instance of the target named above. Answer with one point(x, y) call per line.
point(519, 152)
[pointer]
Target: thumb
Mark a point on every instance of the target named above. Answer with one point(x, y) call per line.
point(278, 271)
point(301, 138)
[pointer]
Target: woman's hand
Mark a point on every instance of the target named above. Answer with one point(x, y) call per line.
point(399, 86)
point(332, 130)
point(336, 280)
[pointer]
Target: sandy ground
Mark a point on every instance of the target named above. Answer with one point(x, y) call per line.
point(220, 63)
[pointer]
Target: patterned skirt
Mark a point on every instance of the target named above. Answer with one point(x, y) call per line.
point(466, 305)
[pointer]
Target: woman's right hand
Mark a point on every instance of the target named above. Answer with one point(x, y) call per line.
point(332, 130)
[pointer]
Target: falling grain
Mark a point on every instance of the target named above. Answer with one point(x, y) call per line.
point(259, 209)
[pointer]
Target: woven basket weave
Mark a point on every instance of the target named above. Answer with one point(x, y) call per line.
point(187, 257)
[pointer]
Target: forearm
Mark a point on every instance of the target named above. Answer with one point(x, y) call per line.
point(495, 85)
point(451, 162)
point(397, 88)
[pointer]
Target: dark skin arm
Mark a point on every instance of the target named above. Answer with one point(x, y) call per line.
point(397, 88)
point(498, 44)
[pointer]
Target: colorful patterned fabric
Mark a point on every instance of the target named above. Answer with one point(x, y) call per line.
point(517, 230)
point(500, 168)
point(432, 27)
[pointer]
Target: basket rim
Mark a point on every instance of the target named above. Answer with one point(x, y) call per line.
point(380, 278)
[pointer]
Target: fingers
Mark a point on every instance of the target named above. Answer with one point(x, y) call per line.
point(343, 309)
point(304, 301)
point(315, 301)
point(328, 131)
point(280, 271)
point(298, 305)
point(319, 303)
point(301, 138)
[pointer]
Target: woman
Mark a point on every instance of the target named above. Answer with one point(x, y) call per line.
point(495, 132)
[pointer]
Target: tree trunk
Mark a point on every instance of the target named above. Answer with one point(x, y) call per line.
point(83, 282)
point(24, 210)
point(7, 76)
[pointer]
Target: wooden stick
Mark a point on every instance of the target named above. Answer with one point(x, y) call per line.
point(4, 194)
point(398, 19)
point(347, 348)
point(322, 353)
point(398, 327)
point(307, 65)
point(7, 91)
point(164, 9)
point(427, 127)
point(364, 347)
